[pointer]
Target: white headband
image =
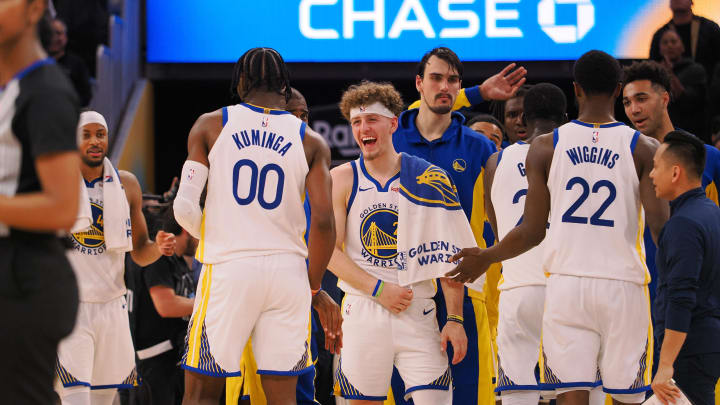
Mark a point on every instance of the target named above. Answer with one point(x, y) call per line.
point(374, 108)
point(89, 117)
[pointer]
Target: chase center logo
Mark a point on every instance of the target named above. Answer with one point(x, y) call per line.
point(92, 240)
point(378, 233)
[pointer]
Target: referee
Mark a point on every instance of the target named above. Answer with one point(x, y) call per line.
point(687, 304)
point(39, 190)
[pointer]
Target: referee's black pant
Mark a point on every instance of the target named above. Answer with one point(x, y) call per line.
point(38, 305)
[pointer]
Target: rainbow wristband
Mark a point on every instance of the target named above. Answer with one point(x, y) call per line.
point(378, 289)
point(455, 318)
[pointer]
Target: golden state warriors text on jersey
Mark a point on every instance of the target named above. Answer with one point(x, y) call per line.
point(433, 252)
point(378, 234)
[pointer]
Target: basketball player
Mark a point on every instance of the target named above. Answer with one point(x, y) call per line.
point(258, 160)
point(298, 106)
point(98, 357)
point(384, 325)
point(522, 289)
point(646, 96)
point(435, 133)
point(248, 389)
point(592, 174)
point(39, 183)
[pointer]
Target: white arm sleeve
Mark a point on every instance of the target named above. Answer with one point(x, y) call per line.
point(187, 202)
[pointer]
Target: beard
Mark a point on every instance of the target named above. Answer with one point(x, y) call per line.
point(92, 163)
point(440, 110)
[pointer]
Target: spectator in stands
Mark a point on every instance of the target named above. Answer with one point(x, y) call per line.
point(688, 84)
point(70, 63)
point(162, 303)
point(700, 36)
point(509, 113)
point(87, 27)
point(489, 126)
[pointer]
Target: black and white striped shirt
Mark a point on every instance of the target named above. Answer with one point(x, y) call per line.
point(38, 116)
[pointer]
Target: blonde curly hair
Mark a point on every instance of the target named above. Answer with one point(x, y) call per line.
point(367, 93)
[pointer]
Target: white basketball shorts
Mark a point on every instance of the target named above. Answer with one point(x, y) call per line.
point(518, 337)
point(99, 352)
point(374, 339)
point(597, 332)
point(264, 297)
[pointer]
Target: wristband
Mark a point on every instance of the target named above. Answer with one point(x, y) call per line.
point(315, 292)
point(378, 289)
point(455, 318)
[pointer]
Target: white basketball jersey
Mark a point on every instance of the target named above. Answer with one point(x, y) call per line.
point(99, 271)
point(596, 218)
point(371, 230)
point(256, 186)
point(508, 193)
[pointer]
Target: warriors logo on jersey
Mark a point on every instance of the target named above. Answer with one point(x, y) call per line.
point(459, 165)
point(92, 240)
point(378, 233)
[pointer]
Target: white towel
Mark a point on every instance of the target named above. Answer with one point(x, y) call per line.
point(116, 211)
point(117, 227)
point(431, 223)
point(84, 219)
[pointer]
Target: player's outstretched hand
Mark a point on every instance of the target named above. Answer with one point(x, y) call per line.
point(395, 298)
point(503, 85)
point(454, 333)
point(663, 386)
point(330, 320)
point(165, 243)
point(473, 265)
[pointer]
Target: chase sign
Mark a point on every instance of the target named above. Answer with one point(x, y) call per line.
point(188, 31)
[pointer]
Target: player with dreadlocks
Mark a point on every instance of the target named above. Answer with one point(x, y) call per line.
point(258, 161)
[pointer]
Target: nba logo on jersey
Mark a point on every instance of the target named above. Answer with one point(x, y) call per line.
point(265, 121)
point(108, 179)
point(596, 136)
point(191, 174)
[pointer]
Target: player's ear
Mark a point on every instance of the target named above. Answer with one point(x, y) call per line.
point(577, 90)
point(666, 99)
point(618, 90)
point(418, 83)
point(393, 125)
